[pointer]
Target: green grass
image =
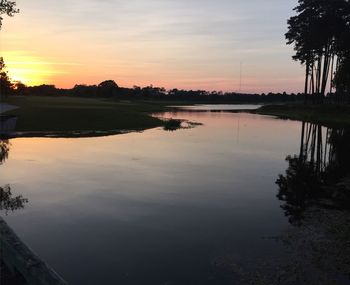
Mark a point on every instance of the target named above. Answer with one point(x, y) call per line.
point(326, 114)
point(64, 114)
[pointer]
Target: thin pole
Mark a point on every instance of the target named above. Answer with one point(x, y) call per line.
point(240, 77)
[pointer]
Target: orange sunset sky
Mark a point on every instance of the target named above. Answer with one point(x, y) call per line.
point(193, 44)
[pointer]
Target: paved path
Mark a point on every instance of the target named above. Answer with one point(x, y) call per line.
point(6, 107)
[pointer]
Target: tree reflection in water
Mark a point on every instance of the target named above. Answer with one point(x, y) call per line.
point(323, 161)
point(8, 202)
point(4, 150)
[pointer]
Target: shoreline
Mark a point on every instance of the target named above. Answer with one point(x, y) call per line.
point(67, 116)
point(22, 263)
point(328, 115)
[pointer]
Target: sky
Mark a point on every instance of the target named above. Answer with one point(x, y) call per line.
point(184, 44)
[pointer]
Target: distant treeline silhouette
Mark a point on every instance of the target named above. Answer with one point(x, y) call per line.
point(109, 89)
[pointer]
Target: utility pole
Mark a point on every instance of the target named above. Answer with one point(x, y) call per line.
point(240, 76)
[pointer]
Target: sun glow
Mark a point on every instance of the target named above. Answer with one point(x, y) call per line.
point(30, 70)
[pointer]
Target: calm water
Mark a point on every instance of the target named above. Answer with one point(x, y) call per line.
point(154, 207)
point(220, 107)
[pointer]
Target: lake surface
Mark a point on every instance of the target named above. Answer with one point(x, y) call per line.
point(155, 207)
point(220, 107)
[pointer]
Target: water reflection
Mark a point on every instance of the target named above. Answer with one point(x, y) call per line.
point(192, 195)
point(312, 175)
point(4, 150)
point(8, 202)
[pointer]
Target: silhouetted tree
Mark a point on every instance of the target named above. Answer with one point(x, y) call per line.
point(5, 82)
point(319, 32)
point(83, 90)
point(342, 80)
point(2, 63)
point(7, 8)
point(19, 86)
point(108, 88)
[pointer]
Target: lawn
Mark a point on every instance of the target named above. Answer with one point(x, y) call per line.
point(65, 114)
point(327, 114)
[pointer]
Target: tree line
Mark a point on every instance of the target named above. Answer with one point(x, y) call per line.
point(109, 89)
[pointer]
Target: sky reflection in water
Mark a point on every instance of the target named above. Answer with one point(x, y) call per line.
point(155, 207)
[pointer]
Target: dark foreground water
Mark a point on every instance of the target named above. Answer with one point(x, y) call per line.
point(155, 207)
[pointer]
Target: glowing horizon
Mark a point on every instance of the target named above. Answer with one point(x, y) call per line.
point(192, 45)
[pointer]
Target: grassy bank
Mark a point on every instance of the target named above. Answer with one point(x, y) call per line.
point(64, 114)
point(68, 114)
point(327, 114)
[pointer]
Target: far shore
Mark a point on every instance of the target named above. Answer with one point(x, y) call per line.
point(76, 116)
point(330, 115)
